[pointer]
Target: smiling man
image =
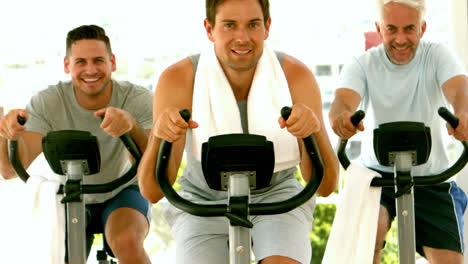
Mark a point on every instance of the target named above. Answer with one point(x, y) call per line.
point(79, 104)
point(408, 79)
point(401, 29)
point(239, 85)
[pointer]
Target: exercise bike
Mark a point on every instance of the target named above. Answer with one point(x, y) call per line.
point(238, 164)
point(75, 154)
point(402, 145)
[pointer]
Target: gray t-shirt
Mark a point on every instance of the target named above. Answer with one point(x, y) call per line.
point(56, 108)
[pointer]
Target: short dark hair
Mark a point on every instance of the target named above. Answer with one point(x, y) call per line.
point(212, 5)
point(87, 32)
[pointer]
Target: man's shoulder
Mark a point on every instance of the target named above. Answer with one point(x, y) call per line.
point(130, 87)
point(373, 53)
point(368, 58)
point(431, 43)
point(280, 55)
point(433, 46)
point(54, 90)
point(180, 74)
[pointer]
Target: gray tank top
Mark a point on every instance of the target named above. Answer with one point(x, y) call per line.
point(193, 181)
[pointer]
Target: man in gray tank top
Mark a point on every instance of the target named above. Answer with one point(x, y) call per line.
point(79, 104)
point(238, 30)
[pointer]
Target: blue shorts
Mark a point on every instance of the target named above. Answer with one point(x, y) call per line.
point(97, 214)
point(438, 213)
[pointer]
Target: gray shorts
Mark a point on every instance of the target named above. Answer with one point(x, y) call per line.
point(204, 240)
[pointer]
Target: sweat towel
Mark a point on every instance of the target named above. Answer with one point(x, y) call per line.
point(216, 111)
point(46, 225)
point(354, 229)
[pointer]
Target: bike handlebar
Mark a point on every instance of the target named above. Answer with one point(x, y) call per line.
point(418, 180)
point(85, 188)
point(448, 116)
point(254, 209)
point(355, 119)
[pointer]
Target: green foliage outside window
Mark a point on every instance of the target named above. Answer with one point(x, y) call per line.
point(323, 219)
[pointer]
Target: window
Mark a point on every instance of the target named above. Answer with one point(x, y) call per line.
point(323, 70)
point(147, 36)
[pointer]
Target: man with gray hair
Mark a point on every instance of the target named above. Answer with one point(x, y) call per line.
point(408, 79)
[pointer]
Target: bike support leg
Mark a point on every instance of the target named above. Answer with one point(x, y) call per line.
point(405, 211)
point(239, 236)
point(75, 215)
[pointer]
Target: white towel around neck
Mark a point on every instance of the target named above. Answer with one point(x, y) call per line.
point(354, 229)
point(216, 111)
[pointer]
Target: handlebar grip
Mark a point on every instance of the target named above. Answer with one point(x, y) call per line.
point(130, 144)
point(13, 154)
point(185, 114)
point(357, 117)
point(21, 120)
point(448, 116)
point(341, 148)
point(286, 112)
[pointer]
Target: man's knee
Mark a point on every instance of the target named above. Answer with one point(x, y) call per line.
point(442, 256)
point(125, 243)
point(126, 230)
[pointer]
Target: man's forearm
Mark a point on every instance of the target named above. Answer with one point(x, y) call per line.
point(337, 108)
point(456, 92)
point(346, 100)
point(140, 136)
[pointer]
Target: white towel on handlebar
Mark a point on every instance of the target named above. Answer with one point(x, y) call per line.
point(46, 225)
point(354, 229)
point(215, 107)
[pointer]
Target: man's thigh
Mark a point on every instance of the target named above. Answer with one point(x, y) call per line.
point(201, 240)
point(286, 235)
point(128, 198)
point(439, 217)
